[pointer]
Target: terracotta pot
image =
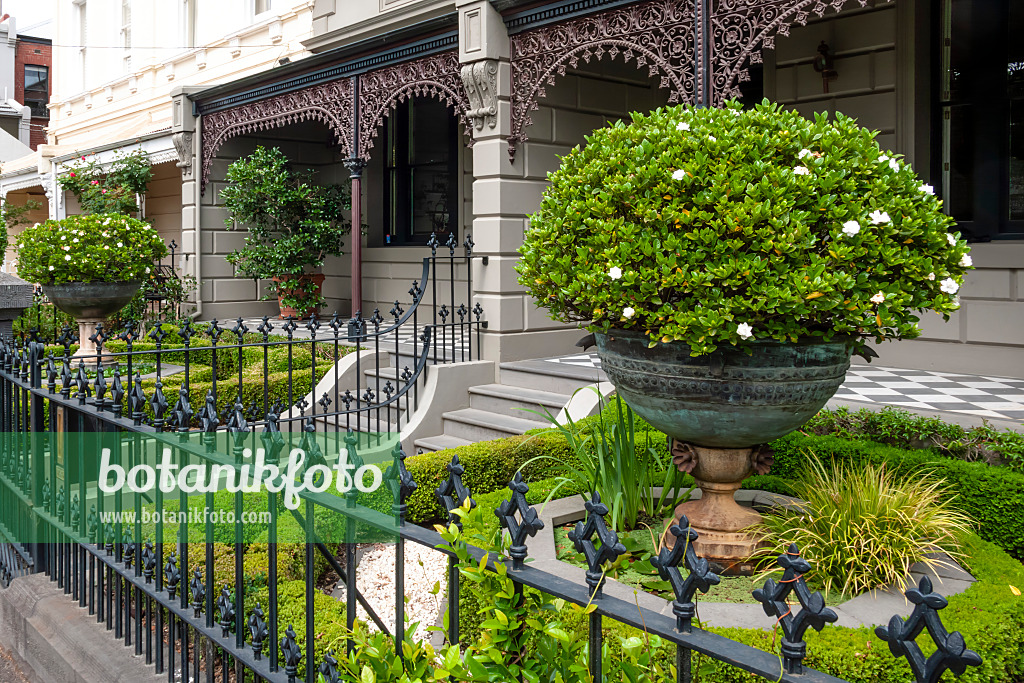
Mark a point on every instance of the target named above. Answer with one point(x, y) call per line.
point(288, 311)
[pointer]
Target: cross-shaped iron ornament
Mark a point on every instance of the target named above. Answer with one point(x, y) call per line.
point(584, 535)
point(699, 577)
point(528, 523)
point(400, 481)
point(951, 651)
point(813, 612)
point(452, 492)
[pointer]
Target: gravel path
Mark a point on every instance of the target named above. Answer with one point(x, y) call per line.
point(424, 568)
point(9, 671)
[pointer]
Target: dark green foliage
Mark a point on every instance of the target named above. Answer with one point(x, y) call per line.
point(897, 427)
point(490, 465)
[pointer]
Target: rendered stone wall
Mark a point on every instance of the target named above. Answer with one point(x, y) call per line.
point(506, 193)
point(987, 335)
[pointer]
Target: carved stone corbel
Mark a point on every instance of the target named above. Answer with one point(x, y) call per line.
point(481, 82)
point(183, 146)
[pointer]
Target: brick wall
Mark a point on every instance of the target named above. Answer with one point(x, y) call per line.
point(38, 53)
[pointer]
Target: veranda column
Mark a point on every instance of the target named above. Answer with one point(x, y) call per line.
point(186, 143)
point(503, 195)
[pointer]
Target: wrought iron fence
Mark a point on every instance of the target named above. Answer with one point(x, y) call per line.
point(209, 393)
point(186, 627)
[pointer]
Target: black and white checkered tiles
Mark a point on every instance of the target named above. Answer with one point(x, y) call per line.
point(988, 397)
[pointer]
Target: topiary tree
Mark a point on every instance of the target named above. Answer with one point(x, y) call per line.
point(293, 224)
point(718, 226)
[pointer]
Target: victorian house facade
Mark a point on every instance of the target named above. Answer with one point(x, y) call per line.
point(447, 115)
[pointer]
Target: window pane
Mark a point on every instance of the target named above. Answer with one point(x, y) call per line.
point(430, 153)
point(960, 56)
point(1017, 160)
point(35, 78)
point(960, 163)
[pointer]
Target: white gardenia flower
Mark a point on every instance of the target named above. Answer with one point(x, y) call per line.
point(894, 165)
point(67, 257)
point(745, 331)
point(615, 272)
point(966, 261)
point(119, 244)
point(147, 269)
point(75, 240)
point(628, 312)
point(927, 189)
point(801, 170)
point(879, 217)
point(683, 126)
point(878, 298)
point(712, 138)
point(949, 286)
point(931, 276)
point(851, 228)
point(882, 159)
point(678, 174)
point(950, 238)
point(51, 267)
point(803, 153)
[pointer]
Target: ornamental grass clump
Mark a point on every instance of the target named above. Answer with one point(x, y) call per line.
point(863, 527)
point(719, 226)
point(104, 247)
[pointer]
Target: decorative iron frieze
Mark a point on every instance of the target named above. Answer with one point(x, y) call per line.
point(438, 75)
point(656, 36)
point(330, 103)
point(740, 29)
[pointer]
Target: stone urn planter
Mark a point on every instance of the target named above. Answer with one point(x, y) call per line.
point(90, 303)
point(719, 409)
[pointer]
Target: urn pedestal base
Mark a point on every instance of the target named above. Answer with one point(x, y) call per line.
point(721, 523)
point(86, 346)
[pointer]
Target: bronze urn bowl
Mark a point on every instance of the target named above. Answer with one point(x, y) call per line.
point(719, 409)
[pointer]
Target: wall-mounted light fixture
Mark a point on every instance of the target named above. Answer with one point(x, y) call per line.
point(824, 64)
point(284, 60)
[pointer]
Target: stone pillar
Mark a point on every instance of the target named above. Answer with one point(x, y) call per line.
point(503, 196)
point(185, 128)
point(15, 297)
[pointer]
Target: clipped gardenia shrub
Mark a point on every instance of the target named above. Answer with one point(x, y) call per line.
point(715, 226)
point(103, 247)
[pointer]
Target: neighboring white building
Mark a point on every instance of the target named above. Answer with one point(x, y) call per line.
point(114, 68)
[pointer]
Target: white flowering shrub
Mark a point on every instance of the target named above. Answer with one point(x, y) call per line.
point(722, 226)
point(103, 247)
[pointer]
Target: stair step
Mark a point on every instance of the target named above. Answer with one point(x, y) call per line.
point(516, 401)
point(441, 442)
point(545, 376)
point(479, 425)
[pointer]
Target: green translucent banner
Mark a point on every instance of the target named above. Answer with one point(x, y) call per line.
point(103, 487)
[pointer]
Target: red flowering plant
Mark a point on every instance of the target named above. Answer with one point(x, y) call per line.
point(109, 188)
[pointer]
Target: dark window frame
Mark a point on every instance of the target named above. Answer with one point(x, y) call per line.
point(399, 171)
point(36, 97)
point(984, 99)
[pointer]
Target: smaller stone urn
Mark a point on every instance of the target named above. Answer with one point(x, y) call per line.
point(91, 303)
